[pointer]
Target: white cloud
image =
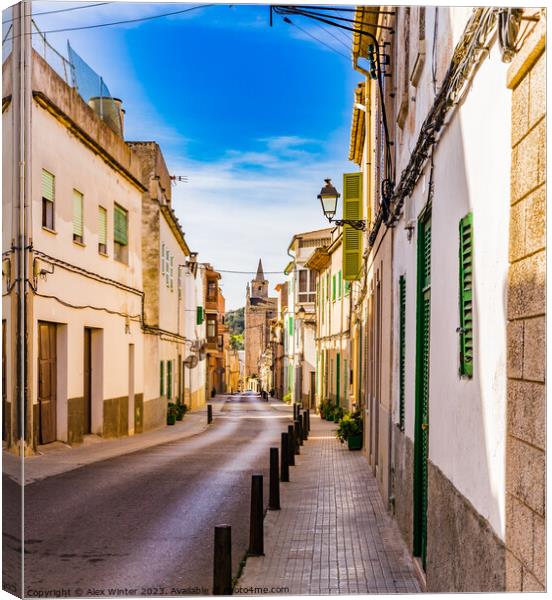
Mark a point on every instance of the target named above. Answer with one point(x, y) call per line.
point(233, 215)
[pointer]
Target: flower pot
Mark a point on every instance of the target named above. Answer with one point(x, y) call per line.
point(355, 441)
point(179, 416)
point(171, 419)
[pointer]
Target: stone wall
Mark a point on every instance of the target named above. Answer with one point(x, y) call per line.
point(464, 554)
point(402, 480)
point(155, 413)
point(525, 452)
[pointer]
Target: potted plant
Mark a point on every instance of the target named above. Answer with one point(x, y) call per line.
point(337, 414)
point(326, 410)
point(350, 430)
point(172, 413)
point(180, 411)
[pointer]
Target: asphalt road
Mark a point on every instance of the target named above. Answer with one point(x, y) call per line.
point(144, 522)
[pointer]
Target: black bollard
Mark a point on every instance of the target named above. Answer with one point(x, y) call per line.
point(291, 445)
point(298, 437)
point(299, 430)
point(222, 563)
point(256, 534)
point(308, 419)
point(209, 414)
point(274, 484)
point(305, 427)
point(284, 458)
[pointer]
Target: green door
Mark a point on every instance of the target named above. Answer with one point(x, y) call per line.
point(421, 421)
point(337, 377)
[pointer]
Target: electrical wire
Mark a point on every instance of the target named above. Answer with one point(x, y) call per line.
point(317, 39)
point(169, 14)
point(249, 272)
point(59, 10)
point(329, 32)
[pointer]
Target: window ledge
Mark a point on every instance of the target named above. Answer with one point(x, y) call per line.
point(104, 254)
point(49, 230)
point(81, 244)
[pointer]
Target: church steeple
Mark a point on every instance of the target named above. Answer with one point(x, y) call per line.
point(260, 273)
point(259, 285)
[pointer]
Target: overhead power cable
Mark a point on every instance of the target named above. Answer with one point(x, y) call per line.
point(330, 32)
point(250, 272)
point(122, 22)
point(59, 10)
point(317, 39)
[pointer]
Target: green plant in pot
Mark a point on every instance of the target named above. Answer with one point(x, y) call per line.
point(326, 410)
point(350, 430)
point(180, 411)
point(337, 414)
point(172, 413)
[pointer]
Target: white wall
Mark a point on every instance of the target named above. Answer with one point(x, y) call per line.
point(467, 416)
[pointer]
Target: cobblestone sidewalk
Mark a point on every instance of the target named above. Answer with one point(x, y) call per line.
point(332, 534)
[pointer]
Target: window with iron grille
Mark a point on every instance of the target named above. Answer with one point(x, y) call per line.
point(48, 198)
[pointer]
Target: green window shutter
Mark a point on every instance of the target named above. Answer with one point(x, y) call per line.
point(169, 379)
point(466, 295)
point(402, 348)
point(199, 314)
point(333, 288)
point(48, 185)
point(162, 378)
point(290, 325)
point(347, 287)
point(102, 225)
point(120, 219)
point(77, 214)
point(345, 379)
point(352, 238)
point(339, 285)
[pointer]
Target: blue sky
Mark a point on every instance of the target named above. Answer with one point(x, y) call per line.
point(255, 117)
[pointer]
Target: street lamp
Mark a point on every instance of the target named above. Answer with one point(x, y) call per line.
point(328, 198)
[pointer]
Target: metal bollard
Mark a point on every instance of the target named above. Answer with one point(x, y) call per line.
point(298, 437)
point(284, 458)
point(209, 414)
point(305, 427)
point(291, 445)
point(256, 534)
point(222, 562)
point(274, 484)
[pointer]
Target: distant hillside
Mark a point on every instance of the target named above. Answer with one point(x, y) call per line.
point(235, 321)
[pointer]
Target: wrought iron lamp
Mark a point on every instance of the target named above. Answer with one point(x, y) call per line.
point(328, 198)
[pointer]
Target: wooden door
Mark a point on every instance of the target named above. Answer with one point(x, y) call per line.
point(87, 374)
point(47, 376)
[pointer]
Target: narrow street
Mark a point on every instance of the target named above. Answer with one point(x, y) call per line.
point(145, 520)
